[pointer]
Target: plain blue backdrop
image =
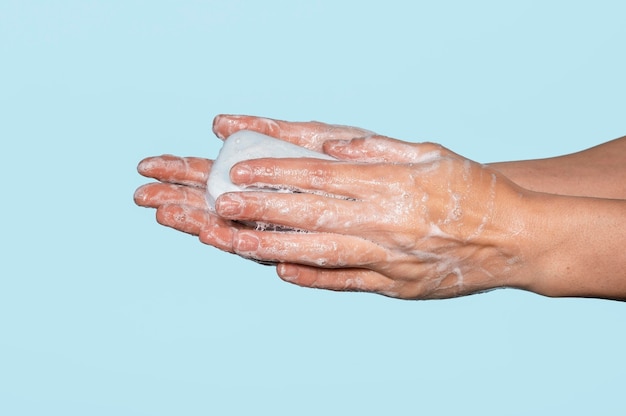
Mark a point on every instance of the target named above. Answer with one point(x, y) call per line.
point(104, 312)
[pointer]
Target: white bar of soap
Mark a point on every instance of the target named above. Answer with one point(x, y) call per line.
point(245, 145)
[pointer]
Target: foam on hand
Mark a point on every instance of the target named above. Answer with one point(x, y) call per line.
point(245, 145)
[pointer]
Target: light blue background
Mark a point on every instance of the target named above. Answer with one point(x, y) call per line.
point(103, 312)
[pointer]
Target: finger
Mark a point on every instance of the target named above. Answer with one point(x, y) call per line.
point(385, 149)
point(219, 232)
point(153, 195)
point(351, 180)
point(347, 280)
point(183, 218)
point(192, 171)
point(314, 249)
point(299, 211)
point(311, 134)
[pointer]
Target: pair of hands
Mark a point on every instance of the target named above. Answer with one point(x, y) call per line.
point(412, 221)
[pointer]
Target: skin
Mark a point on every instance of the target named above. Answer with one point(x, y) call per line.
point(598, 172)
point(412, 221)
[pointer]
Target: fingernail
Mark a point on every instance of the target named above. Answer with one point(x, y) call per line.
point(241, 174)
point(246, 242)
point(228, 205)
point(288, 272)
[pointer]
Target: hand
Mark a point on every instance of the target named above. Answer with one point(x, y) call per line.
point(472, 229)
point(549, 244)
point(417, 221)
point(179, 196)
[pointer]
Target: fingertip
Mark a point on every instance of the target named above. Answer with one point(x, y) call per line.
point(174, 215)
point(288, 272)
point(241, 173)
point(226, 124)
point(229, 205)
point(336, 144)
point(180, 217)
point(217, 233)
point(217, 123)
point(164, 215)
point(351, 149)
point(150, 165)
point(206, 235)
point(246, 243)
point(145, 165)
point(140, 196)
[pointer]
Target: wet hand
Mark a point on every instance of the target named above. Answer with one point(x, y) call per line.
point(405, 220)
point(179, 194)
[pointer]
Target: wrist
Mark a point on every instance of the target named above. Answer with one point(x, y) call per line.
point(573, 246)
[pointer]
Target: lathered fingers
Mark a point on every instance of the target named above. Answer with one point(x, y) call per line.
point(314, 249)
point(153, 195)
point(309, 134)
point(192, 171)
point(351, 280)
point(183, 218)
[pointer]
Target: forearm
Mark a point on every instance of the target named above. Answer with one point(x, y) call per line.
point(598, 172)
point(577, 247)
